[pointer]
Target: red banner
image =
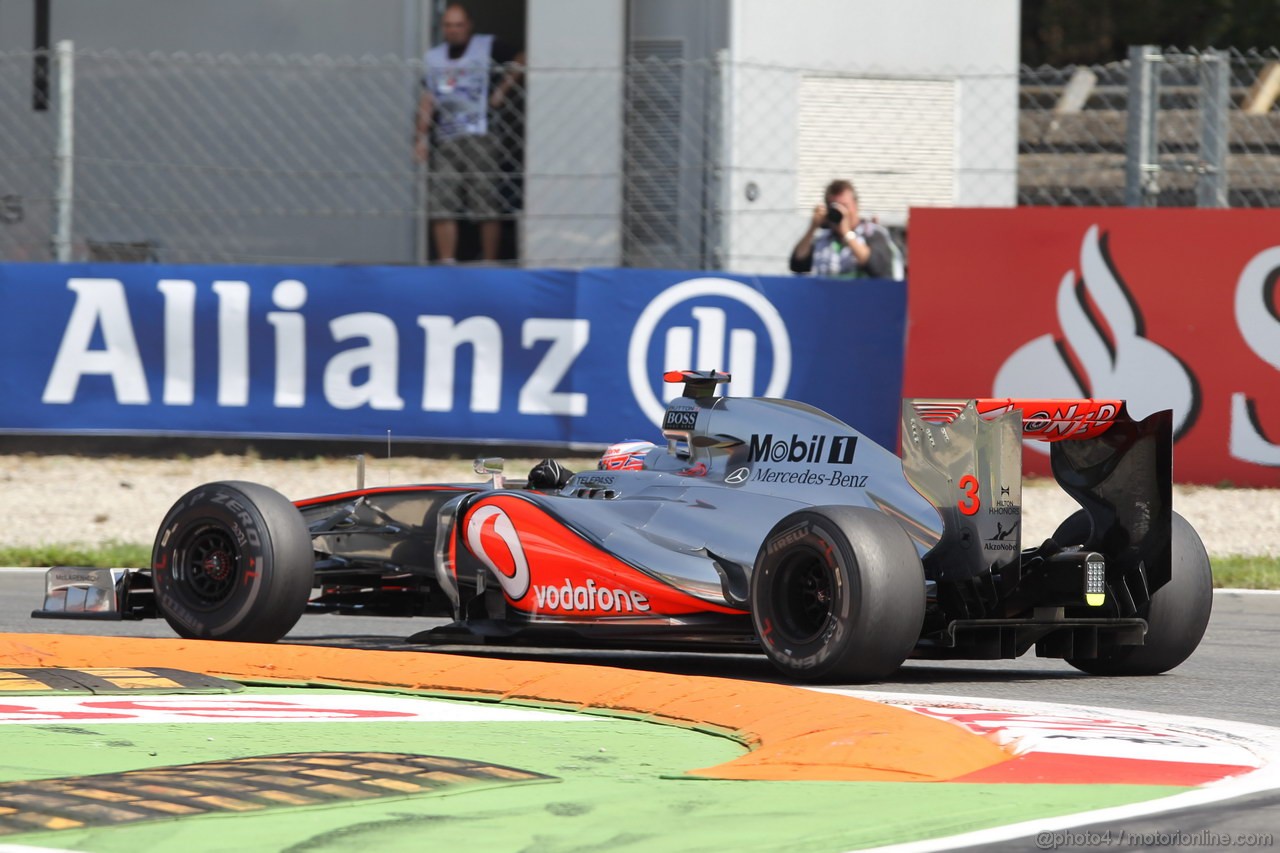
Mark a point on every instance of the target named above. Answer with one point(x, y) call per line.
point(1167, 309)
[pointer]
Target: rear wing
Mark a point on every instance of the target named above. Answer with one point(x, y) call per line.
point(1043, 419)
point(965, 457)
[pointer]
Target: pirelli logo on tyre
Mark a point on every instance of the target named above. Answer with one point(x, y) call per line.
point(787, 537)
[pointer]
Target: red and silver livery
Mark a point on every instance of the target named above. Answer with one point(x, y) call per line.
point(753, 524)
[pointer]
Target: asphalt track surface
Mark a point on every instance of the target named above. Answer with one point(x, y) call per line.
point(1233, 676)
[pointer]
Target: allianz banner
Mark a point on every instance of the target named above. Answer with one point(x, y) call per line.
point(429, 354)
point(1166, 308)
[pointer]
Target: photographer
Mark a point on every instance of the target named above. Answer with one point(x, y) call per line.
point(837, 244)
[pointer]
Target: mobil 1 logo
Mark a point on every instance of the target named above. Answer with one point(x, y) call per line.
point(825, 460)
point(795, 448)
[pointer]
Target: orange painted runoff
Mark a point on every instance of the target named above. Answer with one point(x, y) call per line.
point(792, 733)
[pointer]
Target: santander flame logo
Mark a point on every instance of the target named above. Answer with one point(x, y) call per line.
point(492, 537)
point(1103, 350)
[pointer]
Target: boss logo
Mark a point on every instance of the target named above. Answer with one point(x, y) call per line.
point(682, 419)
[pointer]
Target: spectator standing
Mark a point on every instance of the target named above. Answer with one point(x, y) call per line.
point(838, 244)
point(468, 77)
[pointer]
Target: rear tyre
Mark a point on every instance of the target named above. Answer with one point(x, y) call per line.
point(1176, 615)
point(233, 561)
point(837, 594)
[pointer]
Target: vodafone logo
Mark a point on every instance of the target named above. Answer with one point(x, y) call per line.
point(709, 341)
point(1103, 332)
point(492, 538)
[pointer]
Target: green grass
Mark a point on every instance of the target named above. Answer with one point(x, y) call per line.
point(1233, 572)
point(1246, 572)
point(105, 556)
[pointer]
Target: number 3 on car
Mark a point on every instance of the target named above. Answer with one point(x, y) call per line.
point(970, 503)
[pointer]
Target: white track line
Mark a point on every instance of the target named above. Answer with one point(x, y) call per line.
point(1263, 741)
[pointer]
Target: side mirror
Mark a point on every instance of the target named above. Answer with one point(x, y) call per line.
point(491, 465)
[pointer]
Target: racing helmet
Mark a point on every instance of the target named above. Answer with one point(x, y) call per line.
point(625, 455)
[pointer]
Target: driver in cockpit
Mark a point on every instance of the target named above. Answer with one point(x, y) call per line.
point(627, 455)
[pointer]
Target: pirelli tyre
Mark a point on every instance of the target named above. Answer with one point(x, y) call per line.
point(232, 561)
point(1176, 615)
point(837, 594)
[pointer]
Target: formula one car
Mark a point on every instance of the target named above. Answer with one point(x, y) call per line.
point(763, 524)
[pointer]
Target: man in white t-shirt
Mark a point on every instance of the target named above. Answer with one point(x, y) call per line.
point(454, 131)
point(838, 244)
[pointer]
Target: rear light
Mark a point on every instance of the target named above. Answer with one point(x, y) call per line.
point(1095, 580)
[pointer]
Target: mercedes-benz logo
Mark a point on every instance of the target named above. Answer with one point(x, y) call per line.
point(738, 476)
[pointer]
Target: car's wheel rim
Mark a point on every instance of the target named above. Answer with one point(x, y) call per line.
point(212, 566)
point(806, 597)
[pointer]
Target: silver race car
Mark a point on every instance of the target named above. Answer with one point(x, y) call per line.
point(759, 524)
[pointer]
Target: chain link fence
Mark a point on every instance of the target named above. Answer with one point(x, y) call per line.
point(214, 159)
point(661, 162)
point(1169, 128)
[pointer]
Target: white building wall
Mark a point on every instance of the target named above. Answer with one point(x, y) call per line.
point(914, 44)
point(903, 36)
point(573, 153)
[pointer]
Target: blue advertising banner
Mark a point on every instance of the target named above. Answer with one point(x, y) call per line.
point(436, 354)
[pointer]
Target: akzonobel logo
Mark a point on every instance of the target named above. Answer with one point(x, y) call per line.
point(1103, 350)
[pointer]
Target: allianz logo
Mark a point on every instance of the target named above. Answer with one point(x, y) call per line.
point(270, 357)
point(701, 337)
point(101, 339)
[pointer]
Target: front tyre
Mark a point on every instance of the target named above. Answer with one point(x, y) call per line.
point(232, 561)
point(837, 594)
point(1176, 615)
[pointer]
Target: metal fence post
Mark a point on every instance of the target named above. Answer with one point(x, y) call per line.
point(719, 158)
point(421, 203)
point(1215, 100)
point(413, 46)
point(1142, 168)
point(64, 165)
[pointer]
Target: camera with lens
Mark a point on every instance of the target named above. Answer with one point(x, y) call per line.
point(834, 217)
